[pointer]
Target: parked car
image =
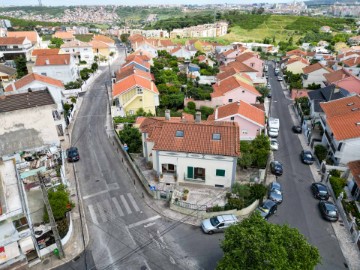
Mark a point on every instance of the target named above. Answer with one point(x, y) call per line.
point(279, 78)
point(275, 192)
point(273, 132)
point(297, 129)
point(274, 145)
point(218, 223)
point(72, 154)
point(307, 157)
point(328, 211)
point(267, 209)
point(268, 85)
point(276, 168)
point(269, 95)
point(320, 191)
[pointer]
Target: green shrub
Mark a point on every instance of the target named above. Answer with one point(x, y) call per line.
point(335, 173)
point(320, 152)
point(337, 185)
point(191, 105)
point(235, 203)
point(258, 191)
point(215, 208)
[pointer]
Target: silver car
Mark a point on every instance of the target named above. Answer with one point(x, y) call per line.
point(218, 223)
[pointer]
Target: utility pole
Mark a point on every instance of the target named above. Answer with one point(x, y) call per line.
point(51, 217)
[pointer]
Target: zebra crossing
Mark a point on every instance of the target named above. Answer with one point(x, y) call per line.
point(109, 209)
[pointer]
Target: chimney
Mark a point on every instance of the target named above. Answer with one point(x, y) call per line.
point(47, 62)
point(167, 115)
point(198, 117)
point(238, 103)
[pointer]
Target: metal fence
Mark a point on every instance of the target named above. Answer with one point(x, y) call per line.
point(190, 205)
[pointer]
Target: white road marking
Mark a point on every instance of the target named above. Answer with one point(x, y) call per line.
point(95, 194)
point(156, 242)
point(93, 215)
point(127, 207)
point(149, 224)
point(102, 213)
point(133, 202)
point(108, 208)
point(117, 206)
point(146, 264)
point(143, 221)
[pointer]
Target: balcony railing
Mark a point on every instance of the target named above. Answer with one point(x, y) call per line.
point(330, 141)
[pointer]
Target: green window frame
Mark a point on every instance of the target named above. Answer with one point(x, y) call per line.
point(220, 172)
point(190, 172)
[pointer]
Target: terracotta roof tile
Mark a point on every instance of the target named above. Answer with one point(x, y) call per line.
point(354, 167)
point(242, 108)
point(31, 35)
point(230, 84)
point(103, 39)
point(245, 56)
point(351, 62)
point(37, 52)
point(297, 59)
point(298, 93)
point(33, 77)
point(130, 70)
point(63, 35)
point(197, 137)
point(175, 50)
point(139, 61)
point(238, 66)
point(75, 44)
point(343, 117)
point(336, 75)
point(11, 40)
point(99, 44)
point(351, 84)
point(132, 81)
point(55, 59)
point(226, 74)
point(296, 52)
point(314, 67)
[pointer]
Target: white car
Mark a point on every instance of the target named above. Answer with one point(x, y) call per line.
point(273, 132)
point(268, 86)
point(274, 145)
point(279, 78)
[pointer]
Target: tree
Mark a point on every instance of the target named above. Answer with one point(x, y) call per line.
point(259, 245)
point(21, 68)
point(59, 201)
point(132, 137)
point(56, 42)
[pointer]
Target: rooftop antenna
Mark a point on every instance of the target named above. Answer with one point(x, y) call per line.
point(40, 4)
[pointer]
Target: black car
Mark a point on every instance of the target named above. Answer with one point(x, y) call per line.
point(267, 209)
point(320, 191)
point(269, 95)
point(72, 154)
point(275, 192)
point(328, 211)
point(297, 129)
point(276, 168)
point(307, 157)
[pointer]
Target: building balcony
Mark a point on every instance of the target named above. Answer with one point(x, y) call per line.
point(330, 141)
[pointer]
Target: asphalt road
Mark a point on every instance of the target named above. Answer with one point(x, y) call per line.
point(299, 209)
point(124, 232)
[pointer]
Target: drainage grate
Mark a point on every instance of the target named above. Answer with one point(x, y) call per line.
point(46, 261)
point(143, 267)
point(97, 180)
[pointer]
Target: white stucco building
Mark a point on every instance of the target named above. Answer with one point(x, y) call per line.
point(80, 51)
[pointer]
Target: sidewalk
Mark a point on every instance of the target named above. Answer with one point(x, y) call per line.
point(349, 249)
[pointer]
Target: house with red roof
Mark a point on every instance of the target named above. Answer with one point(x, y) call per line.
point(315, 74)
point(135, 92)
point(33, 36)
point(206, 60)
point(147, 49)
point(139, 61)
point(252, 60)
point(13, 47)
point(240, 68)
point(60, 66)
point(201, 152)
point(64, 36)
point(125, 72)
point(341, 124)
point(36, 52)
point(80, 51)
point(250, 119)
point(233, 89)
point(354, 179)
point(296, 65)
point(182, 52)
point(230, 55)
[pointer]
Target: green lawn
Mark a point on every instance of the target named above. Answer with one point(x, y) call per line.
point(84, 38)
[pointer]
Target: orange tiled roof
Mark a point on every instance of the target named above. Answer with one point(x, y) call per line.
point(296, 52)
point(238, 66)
point(75, 44)
point(132, 81)
point(244, 56)
point(139, 61)
point(55, 59)
point(336, 75)
point(175, 50)
point(298, 93)
point(136, 37)
point(33, 77)
point(11, 40)
point(99, 44)
point(226, 74)
point(341, 56)
point(31, 35)
point(63, 35)
point(343, 117)
point(226, 53)
point(315, 67)
point(103, 39)
point(131, 57)
point(130, 70)
point(354, 167)
point(230, 84)
point(197, 137)
point(351, 62)
point(297, 59)
point(37, 52)
point(244, 109)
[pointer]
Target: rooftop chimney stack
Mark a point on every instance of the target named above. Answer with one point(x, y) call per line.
point(198, 117)
point(167, 115)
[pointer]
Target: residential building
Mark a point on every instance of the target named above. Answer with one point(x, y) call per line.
point(314, 74)
point(182, 53)
point(125, 72)
point(27, 115)
point(7, 73)
point(206, 60)
point(350, 84)
point(354, 40)
point(148, 49)
point(80, 51)
point(250, 119)
point(326, 29)
point(33, 36)
point(203, 153)
point(229, 55)
point(60, 66)
point(43, 52)
point(296, 53)
point(354, 179)
point(240, 68)
point(102, 48)
point(65, 36)
point(217, 29)
point(252, 60)
point(341, 125)
point(336, 76)
point(296, 65)
point(13, 47)
point(139, 61)
point(133, 93)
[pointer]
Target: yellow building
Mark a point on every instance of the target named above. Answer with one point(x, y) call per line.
point(296, 65)
point(136, 92)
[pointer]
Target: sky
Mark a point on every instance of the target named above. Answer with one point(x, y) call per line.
point(138, 2)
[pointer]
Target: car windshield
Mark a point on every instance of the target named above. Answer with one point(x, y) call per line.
point(214, 221)
point(72, 153)
point(276, 191)
point(308, 155)
point(331, 209)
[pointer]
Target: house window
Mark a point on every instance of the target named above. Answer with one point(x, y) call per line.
point(252, 64)
point(195, 173)
point(60, 130)
point(230, 100)
point(179, 133)
point(131, 112)
point(339, 147)
point(232, 118)
point(168, 168)
point(220, 172)
point(216, 136)
point(244, 131)
point(243, 91)
point(139, 90)
point(43, 73)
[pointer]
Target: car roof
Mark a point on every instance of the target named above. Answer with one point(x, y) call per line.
point(275, 184)
point(73, 148)
point(223, 218)
point(268, 203)
point(320, 185)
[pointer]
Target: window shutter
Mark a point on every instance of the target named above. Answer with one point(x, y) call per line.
point(190, 172)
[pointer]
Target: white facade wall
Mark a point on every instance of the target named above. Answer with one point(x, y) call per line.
point(65, 73)
point(350, 151)
point(86, 53)
point(316, 77)
point(208, 162)
point(182, 54)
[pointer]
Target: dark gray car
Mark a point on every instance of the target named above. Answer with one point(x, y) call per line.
point(267, 208)
point(275, 192)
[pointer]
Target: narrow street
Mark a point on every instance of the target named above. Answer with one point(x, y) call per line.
point(300, 209)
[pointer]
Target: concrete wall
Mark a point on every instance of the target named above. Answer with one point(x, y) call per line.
point(27, 129)
point(65, 73)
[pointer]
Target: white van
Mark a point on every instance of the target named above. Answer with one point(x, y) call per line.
point(218, 223)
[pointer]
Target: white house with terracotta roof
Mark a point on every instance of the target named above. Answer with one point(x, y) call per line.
point(80, 51)
point(12, 47)
point(148, 49)
point(60, 66)
point(314, 74)
point(133, 93)
point(33, 36)
point(182, 52)
point(139, 61)
point(233, 89)
point(194, 152)
point(296, 65)
point(341, 125)
point(354, 179)
point(250, 119)
point(36, 52)
point(244, 69)
point(65, 36)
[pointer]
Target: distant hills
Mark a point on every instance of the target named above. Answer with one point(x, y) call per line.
point(327, 2)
